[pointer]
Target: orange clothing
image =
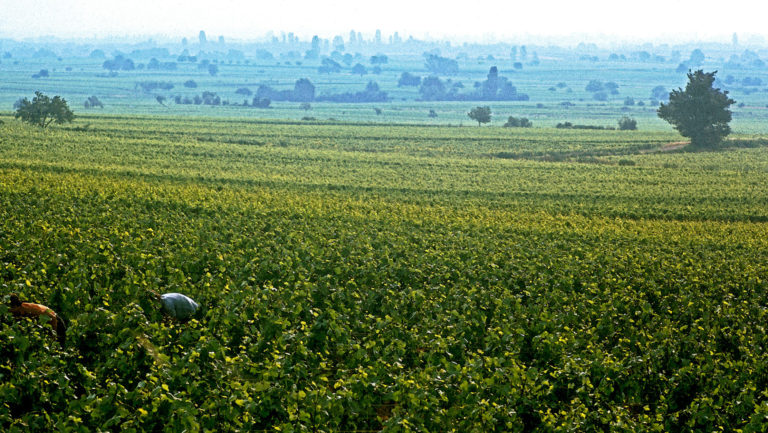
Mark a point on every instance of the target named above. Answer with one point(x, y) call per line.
point(28, 309)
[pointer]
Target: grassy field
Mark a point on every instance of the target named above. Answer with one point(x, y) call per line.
point(361, 277)
point(559, 78)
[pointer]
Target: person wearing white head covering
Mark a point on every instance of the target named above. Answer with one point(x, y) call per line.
point(176, 305)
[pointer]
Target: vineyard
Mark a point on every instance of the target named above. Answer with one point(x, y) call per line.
point(361, 278)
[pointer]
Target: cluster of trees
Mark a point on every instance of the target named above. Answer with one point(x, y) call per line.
point(185, 57)
point(482, 114)
point(751, 81)
point(43, 73)
point(156, 65)
point(332, 64)
point(494, 88)
point(260, 102)
point(748, 59)
point(514, 122)
point(696, 59)
point(304, 91)
point(372, 93)
point(207, 98)
point(206, 65)
point(328, 65)
point(601, 90)
point(408, 79)
point(433, 89)
point(379, 59)
point(119, 63)
point(441, 65)
point(569, 125)
point(659, 93)
point(625, 124)
point(93, 102)
point(149, 86)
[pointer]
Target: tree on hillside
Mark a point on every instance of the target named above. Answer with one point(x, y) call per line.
point(480, 114)
point(43, 110)
point(699, 112)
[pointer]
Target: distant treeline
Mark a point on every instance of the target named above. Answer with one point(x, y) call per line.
point(494, 88)
point(569, 125)
point(304, 91)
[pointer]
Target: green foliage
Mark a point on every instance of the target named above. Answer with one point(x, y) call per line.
point(408, 79)
point(93, 102)
point(699, 112)
point(379, 278)
point(480, 114)
point(627, 124)
point(514, 122)
point(359, 69)
point(441, 65)
point(594, 86)
point(44, 110)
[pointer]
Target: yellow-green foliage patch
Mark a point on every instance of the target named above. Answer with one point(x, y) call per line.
point(358, 278)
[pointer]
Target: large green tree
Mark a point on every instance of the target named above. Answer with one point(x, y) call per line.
point(44, 110)
point(700, 112)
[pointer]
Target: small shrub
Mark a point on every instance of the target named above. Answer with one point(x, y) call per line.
point(514, 122)
point(627, 124)
point(626, 162)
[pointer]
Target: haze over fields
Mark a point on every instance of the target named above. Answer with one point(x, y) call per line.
point(561, 20)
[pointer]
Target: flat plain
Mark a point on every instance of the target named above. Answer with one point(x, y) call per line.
point(371, 277)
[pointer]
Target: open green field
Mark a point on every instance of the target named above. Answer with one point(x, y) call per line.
point(358, 277)
point(555, 83)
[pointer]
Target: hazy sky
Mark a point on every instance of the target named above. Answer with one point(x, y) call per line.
point(474, 20)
